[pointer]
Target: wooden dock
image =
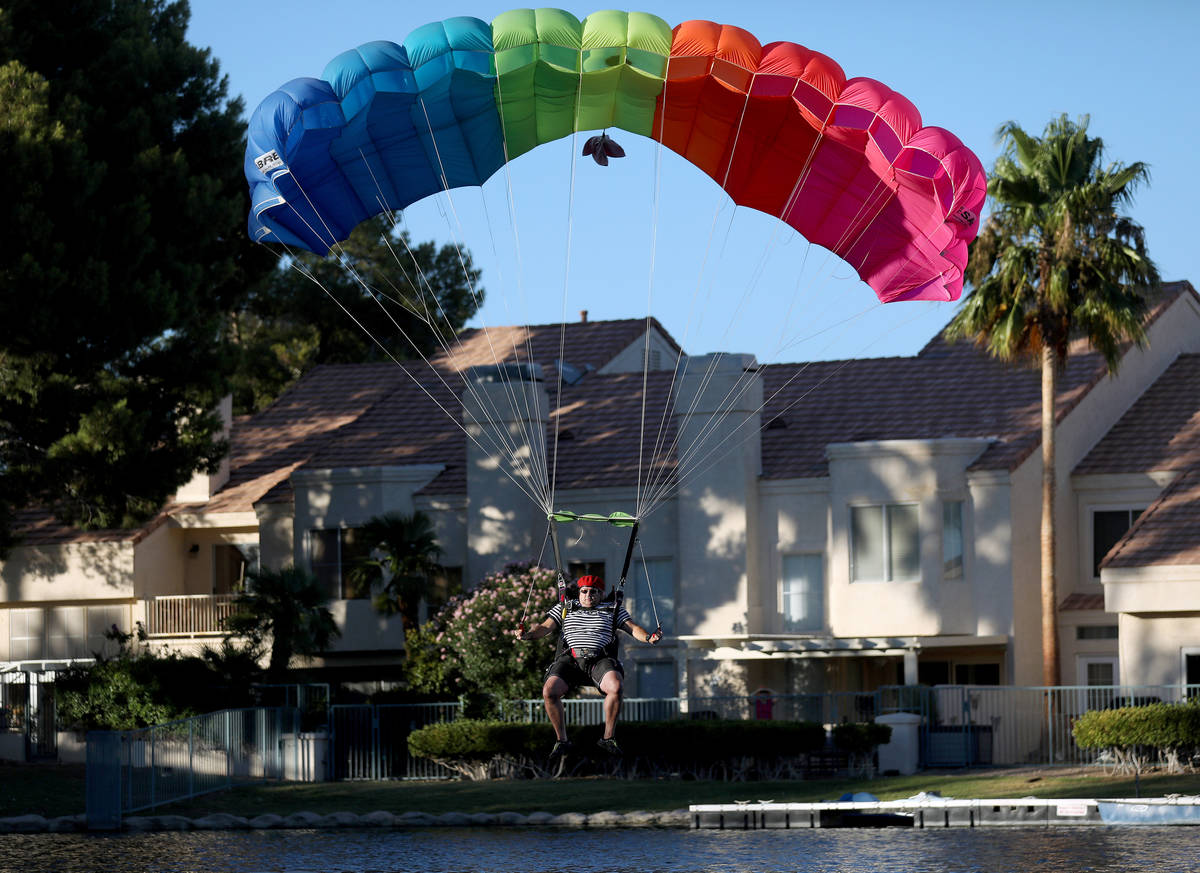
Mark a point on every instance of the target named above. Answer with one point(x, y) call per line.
point(922, 811)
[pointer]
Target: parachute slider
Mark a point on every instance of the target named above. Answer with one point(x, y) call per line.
point(616, 519)
point(602, 147)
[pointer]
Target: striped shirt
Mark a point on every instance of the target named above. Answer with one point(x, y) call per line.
point(588, 628)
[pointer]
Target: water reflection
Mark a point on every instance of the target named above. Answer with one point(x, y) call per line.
point(465, 850)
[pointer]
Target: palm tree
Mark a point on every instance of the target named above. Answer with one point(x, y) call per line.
point(289, 607)
point(403, 563)
point(1056, 261)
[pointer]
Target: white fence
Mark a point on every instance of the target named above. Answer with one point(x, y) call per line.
point(183, 615)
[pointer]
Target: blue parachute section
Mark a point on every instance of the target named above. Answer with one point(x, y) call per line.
point(385, 126)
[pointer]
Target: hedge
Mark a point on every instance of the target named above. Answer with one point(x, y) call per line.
point(702, 749)
point(1132, 733)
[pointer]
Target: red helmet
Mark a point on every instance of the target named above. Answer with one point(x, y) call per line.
point(590, 581)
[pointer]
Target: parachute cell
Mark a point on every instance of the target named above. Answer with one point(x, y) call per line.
point(846, 162)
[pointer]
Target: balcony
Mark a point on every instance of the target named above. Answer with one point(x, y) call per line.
point(188, 615)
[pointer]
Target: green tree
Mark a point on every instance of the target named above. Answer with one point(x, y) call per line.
point(403, 564)
point(124, 247)
point(470, 649)
point(1056, 261)
point(381, 298)
point(287, 608)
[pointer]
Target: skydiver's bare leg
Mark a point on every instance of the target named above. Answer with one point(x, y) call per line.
point(552, 695)
point(612, 688)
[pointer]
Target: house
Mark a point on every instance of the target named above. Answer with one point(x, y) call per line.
point(828, 526)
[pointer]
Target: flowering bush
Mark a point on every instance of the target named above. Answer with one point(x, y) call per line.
point(470, 649)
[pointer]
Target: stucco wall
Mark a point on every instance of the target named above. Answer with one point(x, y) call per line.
point(989, 567)
point(505, 475)
point(276, 535)
point(1151, 647)
point(159, 563)
point(717, 408)
point(73, 571)
point(1025, 585)
point(922, 472)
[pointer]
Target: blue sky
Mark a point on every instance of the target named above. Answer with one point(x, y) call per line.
point(651, 234)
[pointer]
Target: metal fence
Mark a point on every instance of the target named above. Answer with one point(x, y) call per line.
point(960, 725)
point(28, 716)
point(371, 741)
point(133, 770)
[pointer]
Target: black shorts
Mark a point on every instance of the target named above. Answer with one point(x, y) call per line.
point(565, 667)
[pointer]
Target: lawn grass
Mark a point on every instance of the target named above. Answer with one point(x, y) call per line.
point(45, 789)
point(53, 790)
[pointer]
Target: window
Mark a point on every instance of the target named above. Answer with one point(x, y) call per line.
point(884, 543)
point(66, 633)
point(656, 679)
point(1108, 526)
point(976, 674)
point(933, 672)
point(1095, 671)
point(803, 594)
point(333, 555)
point(1096, 632)
point(25, 634)
point(1191, 670)
point(653, 589)
point(952, 539)
point(443, 586)
point(100, 622)
point(231, 563)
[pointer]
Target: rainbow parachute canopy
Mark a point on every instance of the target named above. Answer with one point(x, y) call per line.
point(846, 162)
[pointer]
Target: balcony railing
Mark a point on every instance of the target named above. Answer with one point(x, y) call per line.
point(186, 615)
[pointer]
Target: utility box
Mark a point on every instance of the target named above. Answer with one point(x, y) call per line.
point(306, 757)
point(902, 753)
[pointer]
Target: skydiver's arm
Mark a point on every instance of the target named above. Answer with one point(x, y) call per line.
point(546, 627)
point(640, 634)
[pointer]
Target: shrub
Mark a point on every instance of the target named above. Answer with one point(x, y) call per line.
point(469, 649)
point(859, 742)
point(702, 749)
point(138, 688)
point(1131, 733)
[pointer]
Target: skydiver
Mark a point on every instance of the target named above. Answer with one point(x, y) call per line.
point(587, 653)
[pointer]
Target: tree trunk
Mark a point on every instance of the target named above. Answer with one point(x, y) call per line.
point(1050, 666)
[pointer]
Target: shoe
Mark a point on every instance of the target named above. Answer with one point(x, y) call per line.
point(561, 747)
point(609, 745)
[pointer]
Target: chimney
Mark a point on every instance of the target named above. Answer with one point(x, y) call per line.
point(583, 316)
point(204, 485)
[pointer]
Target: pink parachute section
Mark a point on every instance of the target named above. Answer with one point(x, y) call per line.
point(846, 162)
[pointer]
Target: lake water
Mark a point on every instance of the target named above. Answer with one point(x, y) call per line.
point(989, 850)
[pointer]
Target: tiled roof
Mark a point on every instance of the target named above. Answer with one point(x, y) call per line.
point(388, 414)
point(1076, 600)
point(947, 390)
point(960, 391)
point(1167, 533)
point(580, 343)
point(39, 527)
point(1161, 431)
point(599, 424)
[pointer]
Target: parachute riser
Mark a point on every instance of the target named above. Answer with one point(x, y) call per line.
point(620, 593)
